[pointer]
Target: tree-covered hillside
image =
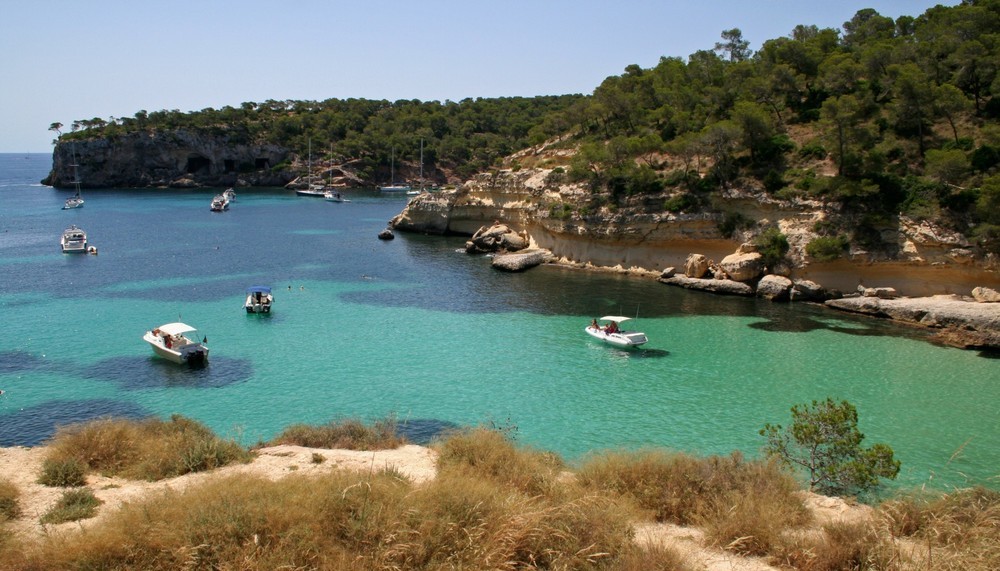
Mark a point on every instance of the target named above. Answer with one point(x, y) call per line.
point(879, 118)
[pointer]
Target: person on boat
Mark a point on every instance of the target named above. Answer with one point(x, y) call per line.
point(612, 327)
point(593, 324)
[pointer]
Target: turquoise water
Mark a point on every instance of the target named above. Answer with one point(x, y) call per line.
point(414, 328)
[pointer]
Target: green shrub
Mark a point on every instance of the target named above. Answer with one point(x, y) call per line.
point(72, 506)
point(63, 472)
point(680, 202)
point(772, 246)
point(733, 221)
point(826, 248)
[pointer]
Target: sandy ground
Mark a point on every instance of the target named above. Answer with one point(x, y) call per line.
point(22, 466)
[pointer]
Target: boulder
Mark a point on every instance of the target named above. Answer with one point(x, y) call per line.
point(386, 235)
point(807, 290)
point(668, 272)
point(743, 266)
point(520, 261)
point(985, 295)
point(728, 287)
point(496, 238)
point(696, 266)
point(774, 287)
point(879, 292)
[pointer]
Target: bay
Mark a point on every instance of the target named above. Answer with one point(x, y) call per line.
point(413, 327)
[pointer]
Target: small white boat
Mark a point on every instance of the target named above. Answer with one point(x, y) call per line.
point(73, 241)
point(607, 329)
point(75, 201)
point(171, 342)
point(219, 203)
point(334, 196)
point(259, 299)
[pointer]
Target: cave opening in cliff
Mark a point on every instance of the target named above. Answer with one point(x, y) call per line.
point(229, 166)
point(260, 164)
point(198, 165)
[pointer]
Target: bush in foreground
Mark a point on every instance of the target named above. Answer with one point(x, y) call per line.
point(72, 506)
point(350, 434)
point(150, 449)
point(10, 507)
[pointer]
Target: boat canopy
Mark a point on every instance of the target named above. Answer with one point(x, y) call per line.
point(258, 289)
point(176, 328)
point(618, 318)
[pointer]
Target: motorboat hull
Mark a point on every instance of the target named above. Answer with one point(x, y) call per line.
point(625, 339)
point(191, 353)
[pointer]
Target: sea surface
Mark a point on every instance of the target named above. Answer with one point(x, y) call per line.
point(416, 329)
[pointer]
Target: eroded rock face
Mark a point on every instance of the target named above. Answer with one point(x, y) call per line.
point(727, 287)
point(174, 159)
point(520, 261)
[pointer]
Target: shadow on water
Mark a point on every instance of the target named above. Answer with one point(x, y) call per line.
point(20, 361)
point(136, 373)
point(423, 431)
point(34, 425)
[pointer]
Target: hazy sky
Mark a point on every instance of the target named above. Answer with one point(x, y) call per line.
point(64, 60)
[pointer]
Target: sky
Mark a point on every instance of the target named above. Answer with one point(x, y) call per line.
point(66, 60)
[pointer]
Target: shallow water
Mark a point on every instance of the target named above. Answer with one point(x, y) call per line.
point(414, 328)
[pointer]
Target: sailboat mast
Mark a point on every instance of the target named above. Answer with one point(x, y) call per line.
point(421, 164)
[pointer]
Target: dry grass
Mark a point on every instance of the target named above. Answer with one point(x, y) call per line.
point(484, 453)
point(72, 506)
point(150, 449)
point(10, 507)
point(350, 434)
point(956, 531)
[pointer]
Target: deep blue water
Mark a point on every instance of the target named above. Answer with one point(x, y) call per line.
point(414, 328)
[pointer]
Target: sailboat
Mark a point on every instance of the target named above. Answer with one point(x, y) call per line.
point(311, 189)
point(75, 201)
point(421, 189)
point(393, 187)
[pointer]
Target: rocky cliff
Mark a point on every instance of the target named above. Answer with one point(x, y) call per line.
point(637, 234)
point(177, 158)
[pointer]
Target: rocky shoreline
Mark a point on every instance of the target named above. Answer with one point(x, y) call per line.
point(968, 322)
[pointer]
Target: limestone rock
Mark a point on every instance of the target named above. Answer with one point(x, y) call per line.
point(386, 235)
point(963, 323)
point(774, 287)
point(879, 292)
point(668, 272)
point(985, 295)
point(496, 238)
point(520, 261)
point(743, 266)
point(696, 266)
point(807, 290)
point(728, 287)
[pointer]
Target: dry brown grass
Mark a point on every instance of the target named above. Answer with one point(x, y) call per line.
point(839, 546)
point(349, 434)
point(150, 449)
point(10, 507)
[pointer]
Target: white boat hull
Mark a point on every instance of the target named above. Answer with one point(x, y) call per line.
point(624, 339)
point(191, 353)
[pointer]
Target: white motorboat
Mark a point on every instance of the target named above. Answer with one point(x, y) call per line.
point(73, 241)
point(259, 299)
point(219, 203)
point(334, 196)
point(607, 329)
point(171, 342)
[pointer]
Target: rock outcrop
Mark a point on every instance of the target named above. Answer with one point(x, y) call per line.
point(496, 238)
point(727, 287)
point(745, 265)
point(520, 261)
point(174, 159)
point(962, 322)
